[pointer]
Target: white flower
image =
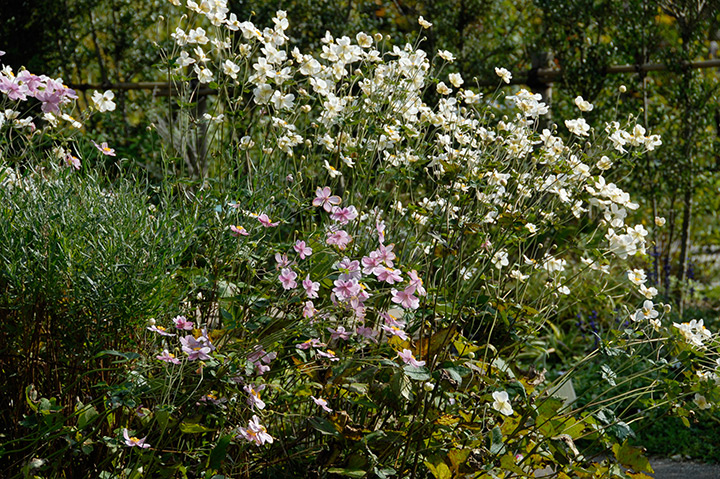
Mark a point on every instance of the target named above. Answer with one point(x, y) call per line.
point(443, 89)
point(583, 105)
point(500, 259)
point(701, 402)
point(103, 101)
point(502, 403)
point(659, 221)
point(446, 55)
point(649, 293)
point(263, 93)
point(456, 79)
point(637, 276)
point(424, 23)
point(646, 312)
point(334, 173)
point(504, 74)
point(531, 228)
point(578, 127)
point(516, 274)
point(204, 75)
point(604, 163)
point(231, 69)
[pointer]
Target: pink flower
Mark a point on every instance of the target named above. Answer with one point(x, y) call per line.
point(380, 227)
point(238, 231)
point(367, 332)
point(133, 441)
point(346, 289)
point(260, 355)
point(417, 282)
point(395, 331)
point(339, 238)
point(323, 198)
point(287, 278)
point(73, 161)
point(181, 322)
point(406, 298)
point(330, 354)
point(349, 269)
point(309, 310)
point(196, 348)
point(407, 356)
point(168, 357)
point(371, 262)
point(339, 333)
point(302, 250)
point(385, 254)
point(344, 215)
point(311, 288)
point(160, 330)
point(322, 403)
point(253, 399)
point(389, 275)
point(282, 260)
point(255, 432)
point(104, 148)
point(265, 221)
point(310, 343)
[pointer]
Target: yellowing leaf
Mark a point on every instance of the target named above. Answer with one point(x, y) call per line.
point(632, 457)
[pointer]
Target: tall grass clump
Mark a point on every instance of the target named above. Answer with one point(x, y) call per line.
point(377, 255)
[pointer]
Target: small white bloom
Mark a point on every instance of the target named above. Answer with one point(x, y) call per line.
point(424, 23)
point(583, 105)
point(446, 55)
point(659, 221)
point(103, 101)
point(502, 403)
point(456, 79)
point(504, 74)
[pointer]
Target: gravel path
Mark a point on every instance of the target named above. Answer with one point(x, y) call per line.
point(669, 469)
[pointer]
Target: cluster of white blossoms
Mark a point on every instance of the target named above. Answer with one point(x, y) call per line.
point(351, 103)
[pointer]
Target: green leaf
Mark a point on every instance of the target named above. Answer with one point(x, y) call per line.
point(86, 415)
point(401, 385)
point(323, 426)
point(418, 374)
point(193, 428)
point(439, 470)
point(496, 441)
point(217, 455)
point(347, 472)
point(632, 457)
point(507, 462)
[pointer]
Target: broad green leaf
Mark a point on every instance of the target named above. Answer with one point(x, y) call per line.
point(218, 453)
point(632, 457)
point(347, 472)
point(193, 428)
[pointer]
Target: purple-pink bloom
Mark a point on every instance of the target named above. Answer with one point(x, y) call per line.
point(344, 215)
point(406, 298)
point(417, 282)
point(407, 356)
point(395, 331)
point(311, 287)
point(302, 249)
point(253, 399)
point(322, 403)
point(310, 343)
point(389, 275)
point(330, 354)
point(133, 441)
point(386, 254)
point(238, 231)
point(371, 262)
point(196, 349)
point(346, 289)
point(380, 227)
point(160, 330)
point(168, 357)
point(309, 310)
point(73, 161)
point(339, 238)
point(287, 278)
point(104, 148)
point(340, 332)
point(181, 322)
point(255, 432)
point(324, 198)
point(367, 332)
point(349, 269)
point(282, 260)
point(265, 221)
